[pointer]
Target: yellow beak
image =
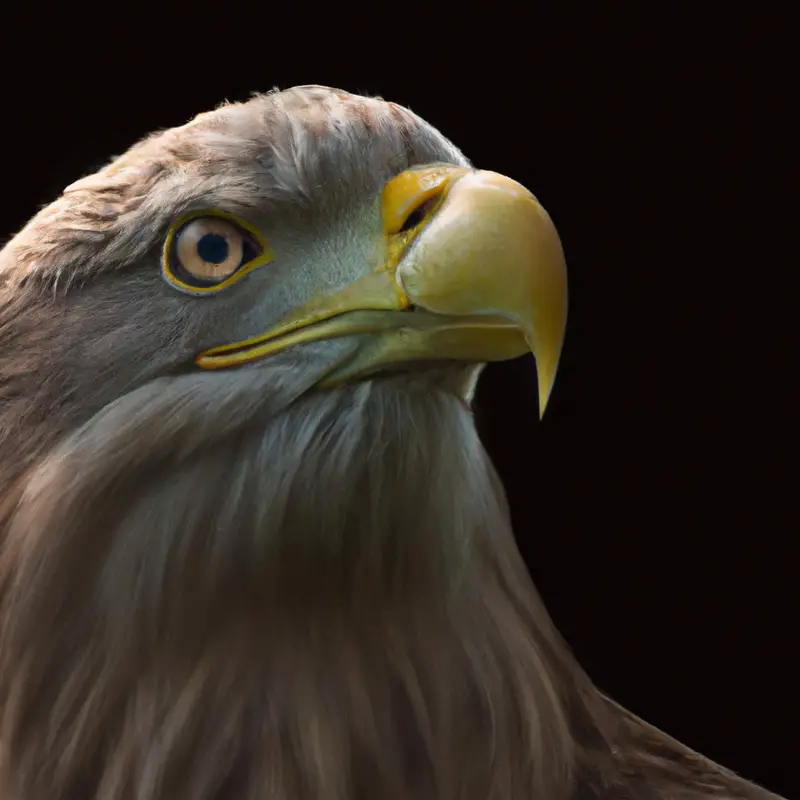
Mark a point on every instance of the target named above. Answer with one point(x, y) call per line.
point(475, 255)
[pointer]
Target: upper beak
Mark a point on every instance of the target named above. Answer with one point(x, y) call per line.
point(484, 261)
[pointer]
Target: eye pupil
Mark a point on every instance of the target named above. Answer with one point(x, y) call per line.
point(213, 248)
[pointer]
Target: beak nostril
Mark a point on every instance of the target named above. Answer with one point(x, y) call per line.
point(418, 215)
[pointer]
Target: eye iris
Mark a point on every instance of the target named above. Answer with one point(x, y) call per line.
point(206, 252)
point(213, 248)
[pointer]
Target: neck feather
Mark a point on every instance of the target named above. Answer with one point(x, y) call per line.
point(325, 603)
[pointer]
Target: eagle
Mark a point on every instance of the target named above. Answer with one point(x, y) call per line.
point(251, 547)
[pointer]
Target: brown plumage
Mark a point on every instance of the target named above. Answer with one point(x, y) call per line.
point(227, 584)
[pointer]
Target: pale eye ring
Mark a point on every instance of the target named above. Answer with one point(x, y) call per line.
point(207, 251)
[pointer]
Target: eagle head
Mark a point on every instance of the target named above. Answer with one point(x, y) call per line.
point(250, 543)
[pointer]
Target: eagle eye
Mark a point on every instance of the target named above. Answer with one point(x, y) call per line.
point(207, 252)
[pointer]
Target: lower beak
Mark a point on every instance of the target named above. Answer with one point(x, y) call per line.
point(484, 271)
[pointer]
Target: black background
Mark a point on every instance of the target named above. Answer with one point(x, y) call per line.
point(652, 503)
